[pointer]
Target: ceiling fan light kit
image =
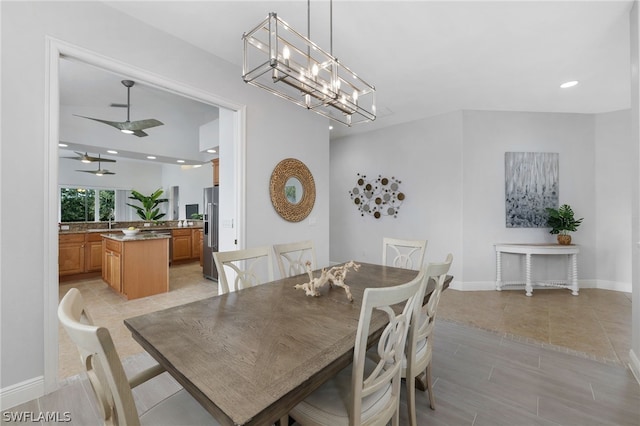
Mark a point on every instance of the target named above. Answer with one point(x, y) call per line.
point(129, 127)
point(284, 62)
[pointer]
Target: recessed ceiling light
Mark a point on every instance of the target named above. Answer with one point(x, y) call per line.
point(111, 151)
point(330, 127)
point(197, 165)
point(180, 161)
point(211, 151)
point(151, 157)
point(568, 84)
point(63, 145)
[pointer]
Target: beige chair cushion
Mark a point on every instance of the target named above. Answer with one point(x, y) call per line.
point(178, 409)
point(328, 404)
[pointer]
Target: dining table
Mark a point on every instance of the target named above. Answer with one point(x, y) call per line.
point(249, 356)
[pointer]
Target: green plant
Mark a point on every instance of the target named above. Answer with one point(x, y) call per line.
point(561, 220)
point(150, 203)
point(196, 216)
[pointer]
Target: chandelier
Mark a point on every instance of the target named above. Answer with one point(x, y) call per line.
point(279, 59)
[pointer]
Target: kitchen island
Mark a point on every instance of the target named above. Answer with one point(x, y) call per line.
point(136, 266)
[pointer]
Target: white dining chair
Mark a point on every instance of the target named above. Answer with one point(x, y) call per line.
point(292, 257)
point(407, 254)
point(248, 266)
point(111, 386)
point(368, 392)
point(419, 350)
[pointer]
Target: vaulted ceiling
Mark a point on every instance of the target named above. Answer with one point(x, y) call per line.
point(431, 57)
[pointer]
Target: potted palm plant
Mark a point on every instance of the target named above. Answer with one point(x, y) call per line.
point(562, 222)
point(149, 209)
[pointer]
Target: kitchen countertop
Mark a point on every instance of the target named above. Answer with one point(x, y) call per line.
point(140, 236)
point(145, 229)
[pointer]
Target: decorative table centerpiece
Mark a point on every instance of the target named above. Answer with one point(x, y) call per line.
point(335, 275)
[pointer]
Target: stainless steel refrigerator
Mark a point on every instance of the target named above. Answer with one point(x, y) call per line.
point(210, 236)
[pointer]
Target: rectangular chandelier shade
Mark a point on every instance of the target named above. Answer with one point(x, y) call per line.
point(279, 59)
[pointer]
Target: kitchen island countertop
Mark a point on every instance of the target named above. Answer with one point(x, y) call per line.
point(138, 237)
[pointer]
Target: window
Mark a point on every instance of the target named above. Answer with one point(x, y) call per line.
point(86, 205)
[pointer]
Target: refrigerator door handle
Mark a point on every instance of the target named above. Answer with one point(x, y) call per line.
point(214, 226)
point(210, 221)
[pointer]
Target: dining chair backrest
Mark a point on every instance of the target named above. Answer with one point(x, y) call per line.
point(101, 361)
point(292, 258)
point(407, 254)
point(390, 348)
point(248, 266)
point(419, 350)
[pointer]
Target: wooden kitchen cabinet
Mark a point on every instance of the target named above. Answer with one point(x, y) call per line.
point(182, 244)
point(79, 253)
point(216, 171)
point(196, 247)
point(136, 268)
point(93, 252)
point(111, 264)
point(71, 254)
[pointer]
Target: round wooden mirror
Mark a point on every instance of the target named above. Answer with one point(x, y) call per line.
point(292, 189)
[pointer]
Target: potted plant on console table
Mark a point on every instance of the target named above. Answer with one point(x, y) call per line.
point(562, 222)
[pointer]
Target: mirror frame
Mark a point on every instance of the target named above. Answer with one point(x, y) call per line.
point(284, 170)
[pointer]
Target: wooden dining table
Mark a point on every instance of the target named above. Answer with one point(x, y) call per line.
point(250, 356)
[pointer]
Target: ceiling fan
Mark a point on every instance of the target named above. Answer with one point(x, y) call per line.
point(99, 172)
point(129, 127)
point(86, 158)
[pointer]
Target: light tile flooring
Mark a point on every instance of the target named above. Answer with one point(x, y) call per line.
point(109, 309)
point(596, 323)
point(498, 358)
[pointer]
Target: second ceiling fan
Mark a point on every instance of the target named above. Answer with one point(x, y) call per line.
point(129, 127)
point(99, 172)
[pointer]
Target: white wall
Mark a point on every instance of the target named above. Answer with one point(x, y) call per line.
point(425, 156)
point(274, 129)
point(487, 136)
point(143, 176)
point(190, 182)
point(452, 170)
point(614, 186)
point(634, 25)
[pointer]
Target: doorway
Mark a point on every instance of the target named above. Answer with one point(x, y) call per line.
point(233, 167)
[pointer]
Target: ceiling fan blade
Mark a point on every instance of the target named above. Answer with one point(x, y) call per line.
point(116, 124)
point(131, 127)
point(88, 158)
point(145, 124)
point(140, 133)
point(97, 172)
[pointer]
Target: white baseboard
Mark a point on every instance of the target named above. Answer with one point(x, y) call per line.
point(21, 392)
point(491, 285)
point(472, 285)
point(634, 365)
point(613, 285)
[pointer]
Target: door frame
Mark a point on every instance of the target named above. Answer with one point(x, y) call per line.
point(55, 50)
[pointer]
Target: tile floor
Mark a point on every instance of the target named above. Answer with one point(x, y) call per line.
point(479, 378)
point(596, 324)
point(109, 309)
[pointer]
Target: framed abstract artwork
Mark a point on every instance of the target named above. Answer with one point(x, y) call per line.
point(531, 185)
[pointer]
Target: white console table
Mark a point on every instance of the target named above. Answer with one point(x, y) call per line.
point(528, 250)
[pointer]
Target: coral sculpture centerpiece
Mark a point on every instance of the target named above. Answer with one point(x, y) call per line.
point(333, 276)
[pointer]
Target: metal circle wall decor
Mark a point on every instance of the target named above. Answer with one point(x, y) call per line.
point(377, 197)
point(292, 190)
